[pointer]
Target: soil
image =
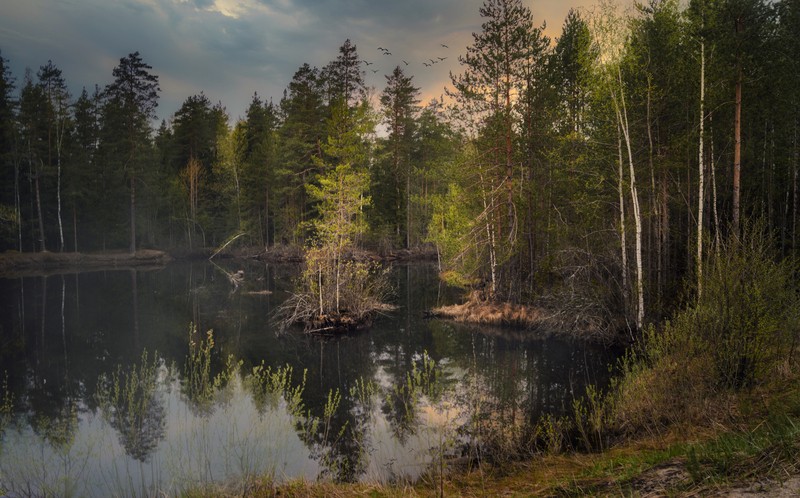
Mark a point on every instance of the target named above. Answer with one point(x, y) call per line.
point(664, 479)
point(786, 489)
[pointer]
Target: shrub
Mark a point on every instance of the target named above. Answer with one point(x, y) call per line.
point(740, 329)
point(336, 293)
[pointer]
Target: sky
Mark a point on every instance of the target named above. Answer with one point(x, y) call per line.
point(229, 49)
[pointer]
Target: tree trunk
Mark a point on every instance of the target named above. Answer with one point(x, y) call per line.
point(59, 141)
point(653, 202)
point(17, 201)
point(133, 215)
point(714, 185)
point(42, 237)
point(58, 196)
point(794, 186)
point(488, 211)
point(75, 228)
point(509, 163)
point(266, 217)
point(737, 153)
point(622, 117)
point(622, 228)
point(408, 205)
point(701, 173)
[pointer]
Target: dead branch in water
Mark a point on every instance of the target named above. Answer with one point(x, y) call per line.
point(226, 244)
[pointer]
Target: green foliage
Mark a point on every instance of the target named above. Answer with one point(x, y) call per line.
point(268, 386)
point(341, 199)
point(333, 290)
point(748, 309)
point(9, 224)
point(737, 334)
point(462, 227)
point(355, 288)
point(552, 431)
point(590, 418)
point(198, 384)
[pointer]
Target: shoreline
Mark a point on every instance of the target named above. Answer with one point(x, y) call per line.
point(17, 264)
point(22, 264)
point(530, 320)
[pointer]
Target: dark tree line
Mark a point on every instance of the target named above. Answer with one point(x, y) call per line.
point(614, 156)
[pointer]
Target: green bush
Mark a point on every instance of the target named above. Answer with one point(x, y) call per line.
point(738, 332)
point(746, 314)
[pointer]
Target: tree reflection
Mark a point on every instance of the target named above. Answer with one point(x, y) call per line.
point(336, 423)
point(132, 404)
point(402, 401)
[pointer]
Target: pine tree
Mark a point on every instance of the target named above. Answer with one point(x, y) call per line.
point(82, 165)
point(33, 140)
point(398, 106)
point(10, 208)
point(301, 134)
point(343, 77)
point(258, 171)
point(129, 106)
point(486, 92)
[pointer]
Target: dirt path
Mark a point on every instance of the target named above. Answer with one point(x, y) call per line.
point(773, 489)
point(664, 479)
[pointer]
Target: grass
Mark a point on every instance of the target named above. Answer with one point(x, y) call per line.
point(680, 463)
point(667, 466)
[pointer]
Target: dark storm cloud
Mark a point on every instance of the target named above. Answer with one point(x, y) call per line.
point(231, 48)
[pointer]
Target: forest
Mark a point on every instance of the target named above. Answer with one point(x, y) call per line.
point(600, 168)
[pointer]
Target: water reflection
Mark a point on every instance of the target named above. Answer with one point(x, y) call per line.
point(131, 402)
point(88, 386)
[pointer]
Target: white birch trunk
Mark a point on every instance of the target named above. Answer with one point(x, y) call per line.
point(701, 173)
point(622, 117)
point(713, 185)
point(622, 228)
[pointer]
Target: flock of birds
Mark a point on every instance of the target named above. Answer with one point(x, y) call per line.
point(385, 51)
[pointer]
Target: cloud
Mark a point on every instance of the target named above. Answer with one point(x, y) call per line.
point(232, 48)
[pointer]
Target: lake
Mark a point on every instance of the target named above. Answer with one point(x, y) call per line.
point(111, 384)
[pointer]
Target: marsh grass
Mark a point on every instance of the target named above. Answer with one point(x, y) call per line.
point(198, 383)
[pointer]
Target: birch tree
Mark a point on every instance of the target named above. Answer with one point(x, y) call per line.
point(607, 27)
point(55, 91)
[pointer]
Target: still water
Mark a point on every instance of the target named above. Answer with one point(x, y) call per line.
point(110, 384)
